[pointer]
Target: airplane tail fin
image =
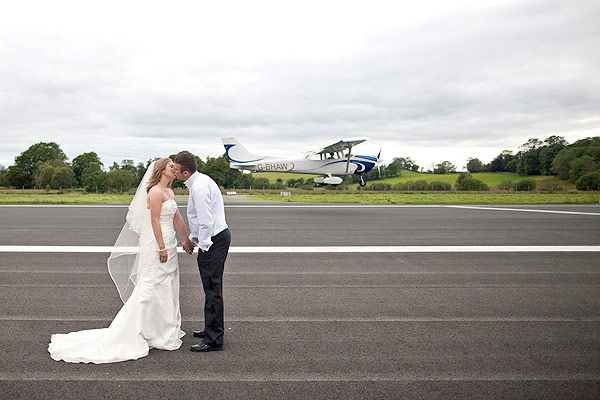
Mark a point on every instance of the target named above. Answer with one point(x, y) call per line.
point(236, 153)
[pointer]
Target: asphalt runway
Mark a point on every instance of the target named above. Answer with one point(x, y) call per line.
point(356, 324)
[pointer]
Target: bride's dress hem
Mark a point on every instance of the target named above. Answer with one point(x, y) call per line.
point(150, 318)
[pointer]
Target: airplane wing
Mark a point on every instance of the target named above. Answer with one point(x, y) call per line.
point(342, 145)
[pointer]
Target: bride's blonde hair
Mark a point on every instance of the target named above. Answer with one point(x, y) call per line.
point(159, 166)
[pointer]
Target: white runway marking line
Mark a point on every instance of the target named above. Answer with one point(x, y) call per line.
point(525, 210)
point(321, 273)
point(366, 377)
point(320, 249)
point(339, 320)
point(266, 205)
point(363, 206)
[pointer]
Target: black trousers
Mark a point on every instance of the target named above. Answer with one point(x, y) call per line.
point(211, 265)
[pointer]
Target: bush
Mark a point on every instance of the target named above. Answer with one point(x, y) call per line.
point(466, 181)
point(525, 185)
point(435, 185)
point(589, 181)
point(376, 186)
point(419, 185)
point(505, 185)
point(552, 188)
point(261, 183)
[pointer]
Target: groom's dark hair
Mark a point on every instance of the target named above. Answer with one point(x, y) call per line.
point(187, 161)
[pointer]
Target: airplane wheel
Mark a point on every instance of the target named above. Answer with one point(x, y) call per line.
point(362, 182)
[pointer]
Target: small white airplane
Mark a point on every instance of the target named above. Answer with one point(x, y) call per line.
point(328, 161)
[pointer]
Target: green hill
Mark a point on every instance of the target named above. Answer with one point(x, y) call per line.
point(492, 179)
point(284, 176)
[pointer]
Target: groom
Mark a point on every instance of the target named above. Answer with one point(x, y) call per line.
point(208, 231)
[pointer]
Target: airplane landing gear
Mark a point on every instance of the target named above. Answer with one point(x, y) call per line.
point(362, 181)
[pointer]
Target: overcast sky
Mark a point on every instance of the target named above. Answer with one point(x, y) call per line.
point(431, 80)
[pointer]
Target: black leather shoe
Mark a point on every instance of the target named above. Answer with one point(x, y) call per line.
point(205, 347)
point(199, 333)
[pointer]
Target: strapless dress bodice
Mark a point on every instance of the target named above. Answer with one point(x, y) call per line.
point(167, 211)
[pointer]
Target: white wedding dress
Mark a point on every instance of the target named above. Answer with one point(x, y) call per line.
point(149, 319)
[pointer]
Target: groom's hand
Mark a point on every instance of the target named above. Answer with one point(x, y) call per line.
point(188, 246)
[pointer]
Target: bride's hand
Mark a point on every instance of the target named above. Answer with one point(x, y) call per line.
point(163, 256)
point(188, 246)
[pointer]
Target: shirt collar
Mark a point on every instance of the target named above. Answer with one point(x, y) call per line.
point(190, 181)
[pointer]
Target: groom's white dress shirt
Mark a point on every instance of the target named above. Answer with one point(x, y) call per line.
point(205, 210)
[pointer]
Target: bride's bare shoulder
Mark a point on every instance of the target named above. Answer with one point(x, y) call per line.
point(155, 194)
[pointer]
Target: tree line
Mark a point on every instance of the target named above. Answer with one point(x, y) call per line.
point(45, 166)
point(577, 163)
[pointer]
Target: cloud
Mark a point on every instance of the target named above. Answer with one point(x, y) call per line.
point(436, 79)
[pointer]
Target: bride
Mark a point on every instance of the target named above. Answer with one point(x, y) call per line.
point(144, 268)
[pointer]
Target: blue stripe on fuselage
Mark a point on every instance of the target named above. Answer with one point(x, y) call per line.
point(229, 146)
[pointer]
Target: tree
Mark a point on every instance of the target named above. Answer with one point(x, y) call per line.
point(54, 173)
point(243, 181)
point(42, 176)
point(561, 165)
point(139, 174)
point(393, 169)
point(525, 185)
point(406, 163)
point(3, 172)
point(474, 165)
point(506, 161)
point(81, 162)
point(555, 141)
point(94, 178)
point(529, 158)
point(21, 173)
point(92, 168)
point(581, 166)
point(127, 165)
point(218, 170)
point(96, 181)
point(120, 179)
point(63, 178)
point(552, 146)
point(589, 181)
point(445, 167)
point(465, 181)
point(261, 183)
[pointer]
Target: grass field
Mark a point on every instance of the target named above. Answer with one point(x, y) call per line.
point(41, 197)
point(435, 197)
point(492, 179)
point(326, 196)
point(284, 176)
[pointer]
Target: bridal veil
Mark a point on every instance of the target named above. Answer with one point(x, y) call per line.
point(124, 260)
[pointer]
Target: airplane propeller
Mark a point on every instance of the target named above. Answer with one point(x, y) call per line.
point(349, 155)
point(378, 162)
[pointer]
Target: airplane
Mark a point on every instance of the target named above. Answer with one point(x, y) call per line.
point(328, 161)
